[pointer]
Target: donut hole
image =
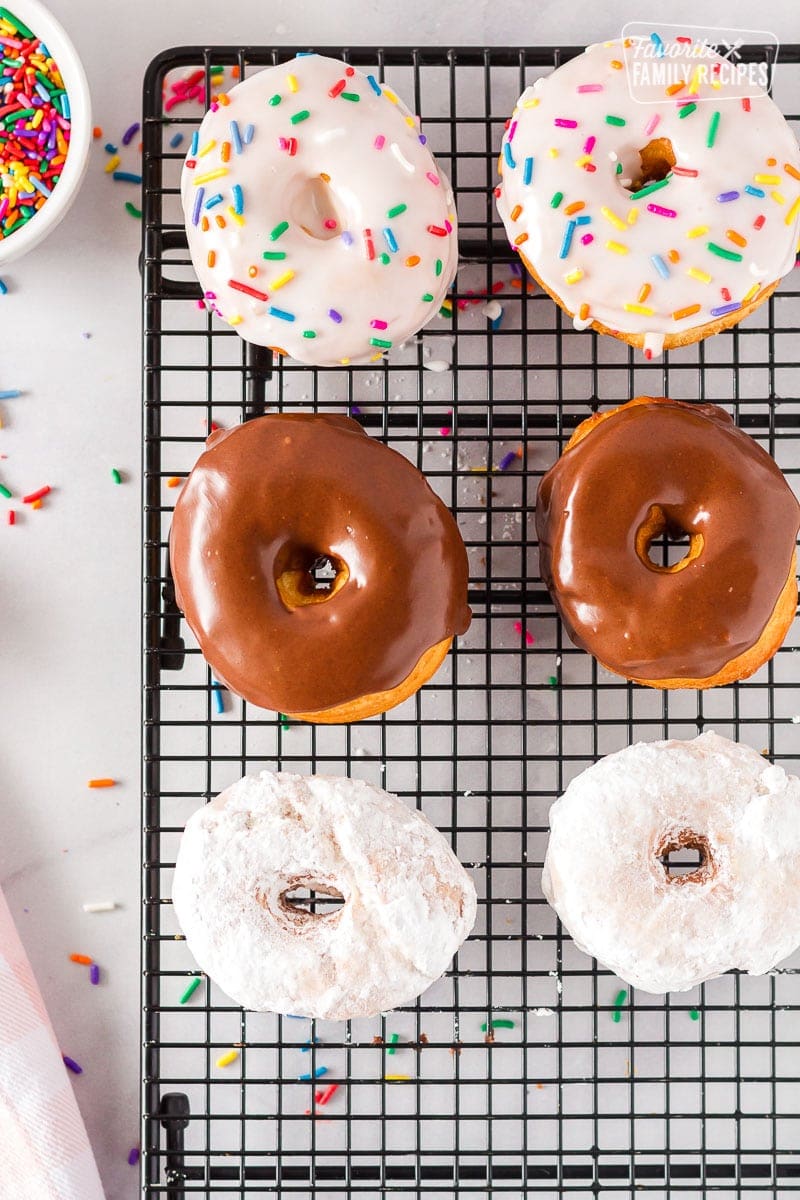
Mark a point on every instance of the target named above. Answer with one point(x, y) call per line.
point(323, 573)
point(312, 899)
point(663, 544)
point(686, 857)
point(307, 576)
point(670, 551)
point(312, 205)
point(656, 160)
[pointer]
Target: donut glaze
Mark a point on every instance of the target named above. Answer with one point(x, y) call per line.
point(264, 503)
point(662, 932)
point(663, 266)
point(318, 221)
point(408, 902)
point(653, 466)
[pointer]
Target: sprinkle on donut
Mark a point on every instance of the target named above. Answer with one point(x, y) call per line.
point(351, 245)
point(659, 220)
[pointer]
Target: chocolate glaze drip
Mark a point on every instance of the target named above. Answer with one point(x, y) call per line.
point(693, 470)
point(269, 500)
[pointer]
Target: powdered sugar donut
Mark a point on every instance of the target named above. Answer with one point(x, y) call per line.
point(656, 199)
point(665, 932)
point(408, 902)
point(318, 221)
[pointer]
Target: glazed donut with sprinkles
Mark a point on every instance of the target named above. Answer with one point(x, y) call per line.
point(319, 223)
point(661, 216)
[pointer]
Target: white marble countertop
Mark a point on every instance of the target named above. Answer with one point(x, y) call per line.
point(70, 583)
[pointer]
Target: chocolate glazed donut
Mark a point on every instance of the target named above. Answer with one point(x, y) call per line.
point(267, 505)
point(655, 467)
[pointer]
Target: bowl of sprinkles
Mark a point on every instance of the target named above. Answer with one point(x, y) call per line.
point(45, 126)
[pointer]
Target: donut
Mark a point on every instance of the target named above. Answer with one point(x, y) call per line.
point(656, 467)
point(408, 902)
point(270, 508)
point(319, 222)
point(659, 218)
point(660, 931)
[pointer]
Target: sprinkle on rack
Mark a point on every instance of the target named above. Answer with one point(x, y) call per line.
point(190, 989)
point(619, 1001)
point(219, 699)
point(507, 460)
point(519, 629)
point(318, 1072)
point(225, 1060)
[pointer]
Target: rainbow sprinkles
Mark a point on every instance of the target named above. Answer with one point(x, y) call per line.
point(659, 219)
point(352, 247)
point(34, 124)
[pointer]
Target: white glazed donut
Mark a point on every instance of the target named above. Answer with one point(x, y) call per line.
point(687, 254)
point(408, 902)
point(319, 223)
point(667, 933)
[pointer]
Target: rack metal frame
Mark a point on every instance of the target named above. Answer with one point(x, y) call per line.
point(682, 1095)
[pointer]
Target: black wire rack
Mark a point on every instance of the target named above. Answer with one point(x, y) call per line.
point(582, 1089)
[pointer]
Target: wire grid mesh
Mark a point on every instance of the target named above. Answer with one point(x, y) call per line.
point(683, 1094)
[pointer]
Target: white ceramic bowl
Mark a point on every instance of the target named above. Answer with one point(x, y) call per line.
point(45, 26)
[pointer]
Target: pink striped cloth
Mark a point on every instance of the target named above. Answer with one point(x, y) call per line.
point(44, 1150)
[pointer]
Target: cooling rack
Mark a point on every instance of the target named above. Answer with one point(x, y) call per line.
point(579, 1090)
